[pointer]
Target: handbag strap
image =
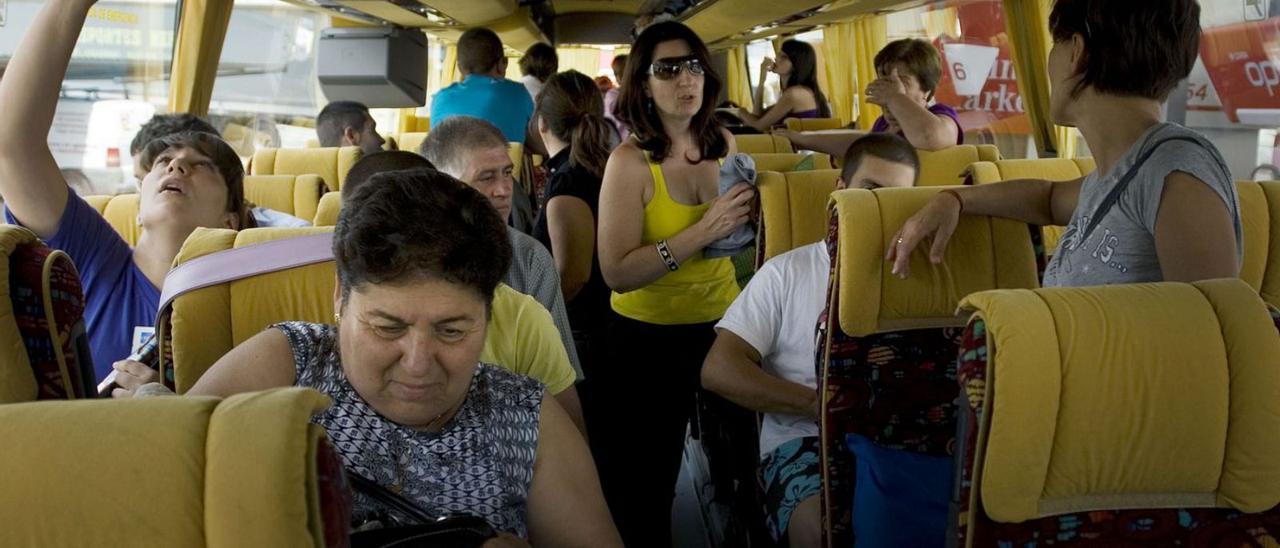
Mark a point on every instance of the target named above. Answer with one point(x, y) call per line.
point(243, 262)
point(1114, 196)
point(387, 498)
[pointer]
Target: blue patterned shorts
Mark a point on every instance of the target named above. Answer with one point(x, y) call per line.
point(791, 474)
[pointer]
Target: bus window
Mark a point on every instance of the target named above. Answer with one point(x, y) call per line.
point(267, 93)
point(978, 76)
point(117, 79)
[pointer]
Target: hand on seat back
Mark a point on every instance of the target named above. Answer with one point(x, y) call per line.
point(935, 221)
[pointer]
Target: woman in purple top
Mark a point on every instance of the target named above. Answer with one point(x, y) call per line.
point(908, 73)
point(797, 67)
point(194, 180)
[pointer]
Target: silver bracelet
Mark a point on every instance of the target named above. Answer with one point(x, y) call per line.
point(667, 257)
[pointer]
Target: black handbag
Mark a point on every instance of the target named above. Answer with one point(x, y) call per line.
point(461, 531)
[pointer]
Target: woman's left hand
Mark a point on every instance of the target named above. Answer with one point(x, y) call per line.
point(885, 89)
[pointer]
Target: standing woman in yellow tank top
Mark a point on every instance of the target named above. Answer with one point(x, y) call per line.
point(658, 210)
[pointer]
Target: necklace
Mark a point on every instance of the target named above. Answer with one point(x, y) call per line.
point(400, 455)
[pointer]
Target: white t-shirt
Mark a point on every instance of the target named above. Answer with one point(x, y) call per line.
point(777, 314)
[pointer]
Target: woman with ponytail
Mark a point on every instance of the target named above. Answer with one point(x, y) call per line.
point(570, 118)
point(797, 67)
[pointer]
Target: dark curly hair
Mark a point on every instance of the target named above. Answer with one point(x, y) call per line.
point(416, 224)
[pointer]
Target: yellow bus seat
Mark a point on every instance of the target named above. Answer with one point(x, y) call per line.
point(1049, 169)
point(98, 202)
point(331, 164)
point(248, 470)
point(327, 211)
point(812, 124)
point(121, 212)
point(297, 195)
point(898, 339)
point(516, 151)
point(755, 144)
point(1260, 217)
point(793, 209)
point(412, 141)
point(947, 167)
point(42, 331)
point(1123, 404)
point(312, 143)
point(791, 161)
point(209, 322)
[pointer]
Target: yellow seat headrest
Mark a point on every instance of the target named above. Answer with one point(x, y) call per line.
point(984, 253)
point(1270, 287)
point(327, 211)
point(1128, 396)
point(793, 208)
point(331, 164)
point(948, 166)
point(411, 141)
point(753, 144)
point(183, 471)
point(790, 161)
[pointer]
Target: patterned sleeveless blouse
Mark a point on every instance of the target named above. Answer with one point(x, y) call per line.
point(480, 464)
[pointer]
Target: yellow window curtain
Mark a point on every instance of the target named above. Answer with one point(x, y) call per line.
point(871, 32)
point(738, 79)
point(449, 73)
point(201, 31)
point(838, 46)
point(1027, 22)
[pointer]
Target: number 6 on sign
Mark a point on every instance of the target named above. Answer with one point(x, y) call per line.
point(966, 59)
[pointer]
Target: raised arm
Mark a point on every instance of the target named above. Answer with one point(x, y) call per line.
point(922, 128)
point(566, 505)
point(834, 144)
point(625, 260)
point(1032, 201)
point(33, 188)
point(774, 114)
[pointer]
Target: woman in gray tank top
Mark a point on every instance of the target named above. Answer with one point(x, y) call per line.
point(1161, 205)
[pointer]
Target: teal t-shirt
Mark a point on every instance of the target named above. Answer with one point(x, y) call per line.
point(503, 103)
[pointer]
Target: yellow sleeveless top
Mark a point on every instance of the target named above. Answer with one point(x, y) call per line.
point(700, 291)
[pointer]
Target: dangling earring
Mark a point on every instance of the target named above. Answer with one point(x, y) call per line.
point(337, 317)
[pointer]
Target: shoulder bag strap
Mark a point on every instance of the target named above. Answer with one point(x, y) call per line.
point(243, 262)
point(1114, 196)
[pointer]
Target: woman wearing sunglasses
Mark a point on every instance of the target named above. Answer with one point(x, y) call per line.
point(658, 209)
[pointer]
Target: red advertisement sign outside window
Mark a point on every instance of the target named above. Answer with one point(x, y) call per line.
point(1241, 60)
point(978, 77)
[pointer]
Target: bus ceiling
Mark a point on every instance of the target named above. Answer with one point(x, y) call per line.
point(521, 23)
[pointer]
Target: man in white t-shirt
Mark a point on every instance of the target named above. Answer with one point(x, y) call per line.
point(763, 357)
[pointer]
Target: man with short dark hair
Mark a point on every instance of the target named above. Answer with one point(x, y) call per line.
point(484, 92)
point(763, 355)
point(348, 124)
point(475, 152)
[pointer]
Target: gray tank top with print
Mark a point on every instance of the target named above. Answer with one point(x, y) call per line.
point(1122, 248)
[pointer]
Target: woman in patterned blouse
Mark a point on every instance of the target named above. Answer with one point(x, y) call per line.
point(419, 255)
